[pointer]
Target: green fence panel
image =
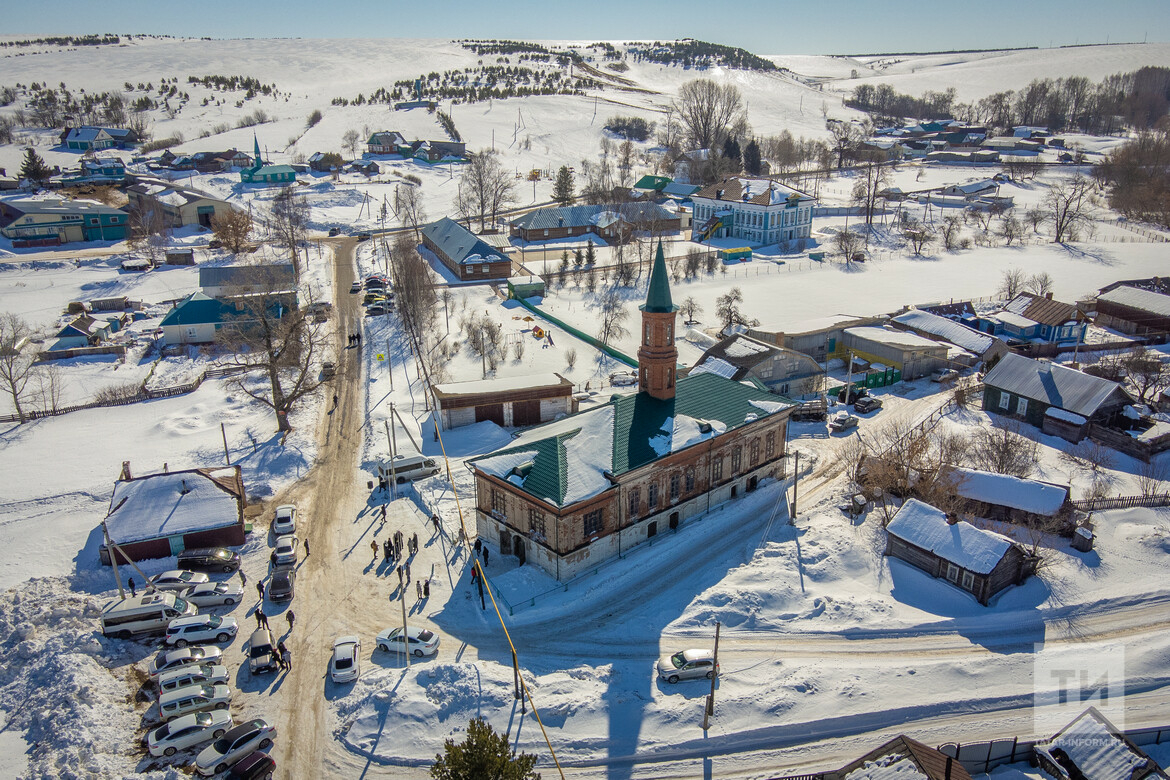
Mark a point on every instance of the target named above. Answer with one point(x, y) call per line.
point(613, 353)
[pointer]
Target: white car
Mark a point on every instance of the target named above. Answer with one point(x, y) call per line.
point(182, 733)
point(285, 521)
point(177, 579)
point(687, 665)
point(286, 551)
point(192, 674)
point(421, 641)
point(214, 594)
point(175, 659)
point(193, 698)
point(250, 735)
point(345, 665)
point(200, 628)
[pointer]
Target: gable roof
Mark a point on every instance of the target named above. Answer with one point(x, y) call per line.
point(1099, 749)
point(1040, 309)
point(1027, 495)
point(83, 325)
point(960, 543)
point(584, 216)
point(650, 182)
point(269, 276)
point(178, 502)
point(953, 309)
point(746, 189)
point(566, 461)
point(895, 338)
point(198, 309)
point(172, 193)
point(1135, 298)
point(735, 356)
point(1054, 384)
point(460, 244)
point(903, 758)
point(955, 332)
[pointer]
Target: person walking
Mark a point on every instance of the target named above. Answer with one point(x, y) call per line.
point(290, 616)
point(260, 588)
point(414, 540)
point(335, 400)
point(486, 552)
point(130, 584)
point(418, 589)
point(306, 548)
point(243, 578)
point(478, 546)
point(435, 522)
point(260, 618)
point(282, 656)
point(400, 575)
point(374, 547)
point(286, 656)
point(407, 567)
point(474, 573)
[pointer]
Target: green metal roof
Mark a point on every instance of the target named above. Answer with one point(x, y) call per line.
point(658, 296)
point(198, 309)
point(649, 182)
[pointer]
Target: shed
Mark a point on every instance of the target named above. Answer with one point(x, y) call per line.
point(904, 759)
point(180, 257)
point(520, 287)
point(1004, 497)
point(1021, 387)
point(742, 254)
point(516, 401)
point(1134, 310)
point(984, 346)
point(82, 332)
point(117, 303)
point(980, 562)
point(913, 355)
point(158, 515)
point(1096, 749)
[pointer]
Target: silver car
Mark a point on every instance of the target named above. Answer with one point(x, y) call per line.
point(177, 580)
point(286, 551)
point(687, 665)
point(214, 594)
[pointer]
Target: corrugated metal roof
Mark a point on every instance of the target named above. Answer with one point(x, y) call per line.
point(1051, 384)
point(954, 332)
point(1134, 298)
point(581, 216)
point(1043, 310)
point(274, 275)
point(460, 244)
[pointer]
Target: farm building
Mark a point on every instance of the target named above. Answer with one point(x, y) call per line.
point(158, 515)
point(570, 494)
point(780, 370)
point(464, 253)
point(612, 222)
point(512, 402)
point(971, 190)
point(1004, 497)
point(821, 339)
point(179, 205)
point(984, 347)
point(1092, 747)
point(757, 210)
point(1027, 389)
point(87, 137)
point(51, 221)
point(980, 562)
point(904, 759)
point(908, 353)
point(1134, 310)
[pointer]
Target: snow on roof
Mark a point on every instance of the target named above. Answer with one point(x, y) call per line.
point(1052, 384)
point(1095, 749)
point(891, 767)
point(819, 323)
point(1026, 495)
point(501, 465)
point(680, 432)
point(1063, 414)
point(1159, 429)
point(1013, 319)
point(499, 385)
point(974, 549)
point(588, 456)
point(154, 506)
point(899, 338)
point(1136, 298)
point(744, 347)
point(717, 366)
point(955, 332)
point(768, 407)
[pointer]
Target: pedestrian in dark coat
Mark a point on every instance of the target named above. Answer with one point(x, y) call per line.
point(427, 589)
point(407, 567)
point(260, 589)
point(478, 546)
point(290, 617)
point(282, 656)
point(414, 541)
point(260, 618)
point(306, 548)
point(486, 551)
point(374, 547)
point(400, 576)
point(243, 578)
point(435, 520)
point(130, 583)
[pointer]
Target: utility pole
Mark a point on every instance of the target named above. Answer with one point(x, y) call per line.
point(389, 365)
point(405, 635)
point(483, 353)
point(223, 432)
point(795, 480)
point(710, 709)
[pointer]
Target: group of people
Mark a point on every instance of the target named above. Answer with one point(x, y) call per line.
point(355, 338)
point(283, 657)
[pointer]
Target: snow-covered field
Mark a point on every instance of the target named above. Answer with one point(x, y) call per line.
point(823, 637)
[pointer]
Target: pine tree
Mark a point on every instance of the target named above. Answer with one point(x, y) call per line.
point(751, 158)
point(34, 168)
point(563, 188)
point(590, 255)
point(731, 151)
point(484, 755)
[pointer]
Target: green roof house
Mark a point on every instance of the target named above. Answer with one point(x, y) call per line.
point(572, 493)
point(262, 173)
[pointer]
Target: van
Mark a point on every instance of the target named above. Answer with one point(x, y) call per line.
point(149, 613)
point(408, 467)
point(192, 674)
point(193, 698)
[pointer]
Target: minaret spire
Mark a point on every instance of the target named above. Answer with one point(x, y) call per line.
point(657, 356)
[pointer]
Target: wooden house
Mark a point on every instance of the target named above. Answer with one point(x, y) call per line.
point(89, 137)
point(385, 142)
point(902, 757)
point(982, 347)
point(1027, 389)
point(464, 253)
point(980, 562)
point(780, 370)
point(83, 331)
point(1134, 310)
point(178, 204)
point(610, 222)
point(50, 222)
point(1029, 317)
point(1011, 499)
point(508, 402)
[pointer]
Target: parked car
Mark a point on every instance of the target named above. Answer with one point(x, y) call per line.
point(420, 641)
point(687, 665)
point(177, 579)
point(285, 520)
point(842, 421)
point(261, 652)
point(254, 766)
point(944, 375)
point(376, 309)
point(328, 369)
point(364, 236)
point(282, 585)
point(200, 628)
point(286, 550)
point(356, 287)
point(345, 665)
point(867, 405)
point(210, 558)
point(334, 231)
point(192, 674)
point(373, 296)
point(215, 594)
point(193, 698)
point(175, 659)
point(187, 731)
point(234, 745)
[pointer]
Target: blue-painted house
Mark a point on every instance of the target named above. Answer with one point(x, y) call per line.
point(87, 137)
point(99, 170)
point(198, 317)
point(50, 222)
point(1029, 317)
point(264, 173)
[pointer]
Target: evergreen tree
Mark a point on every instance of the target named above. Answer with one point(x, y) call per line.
point(752, 163)
point(731, 152)
point(484, 755)
point(34, 168)
point(590, 256)
point(563, 188)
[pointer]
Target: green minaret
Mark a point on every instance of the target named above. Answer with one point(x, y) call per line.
point(657, 356)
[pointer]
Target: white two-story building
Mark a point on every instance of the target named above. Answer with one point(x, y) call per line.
point(757, 210)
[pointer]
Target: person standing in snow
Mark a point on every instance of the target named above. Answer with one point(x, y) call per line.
point(427, 588)
point(400, 576)
point(261, 618)
point(406, 566)
point(478, 546)
point(374, 547)
point(418, 589)
point(130, 583)
point(243, 578)
point(306, 548)
point(485, 555)
point(260, 588)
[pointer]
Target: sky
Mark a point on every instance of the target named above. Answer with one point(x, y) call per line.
point(761, 26)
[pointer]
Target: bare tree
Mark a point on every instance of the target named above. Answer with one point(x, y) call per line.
point(571, 358)
point(1004, 450)
point(1147, 372)
point(270, 334)
point(1040, 283)
point(613, 317)
point(952, 227)
point(727, 308)
point(417, 301)
point(290, 220)
point(1012, 283)
point(150, 232)
point(872, 178)
point(1153, 477)
point(708, 112)
point(918, 235)
point(50, 385)
point(411, 211)
point(485, 189)
point(1089, 456)
point(848, 243)
point(232, 228)
point(1034, 217)
point(690, 309)
point(16, 363)
point(1010, 229)
point(351, 140)
point(846, 138)
point(1069, 208)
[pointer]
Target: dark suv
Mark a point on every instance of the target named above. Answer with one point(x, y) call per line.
point(210, 558)
point(254, 766)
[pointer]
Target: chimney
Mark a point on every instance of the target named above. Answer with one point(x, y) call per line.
point(952, 518)
point(948, 774)
point(1048, 295)
point(126, 476)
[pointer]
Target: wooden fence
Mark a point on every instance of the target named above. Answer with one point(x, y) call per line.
point(1121, 502)
point(64, 354)
point(143, 394)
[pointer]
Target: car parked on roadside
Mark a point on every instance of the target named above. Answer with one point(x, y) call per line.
point(209, 558)
point(328, 369)
point(285, 552)
point(364, 236)
point(199, 629)
point(418, 642)
point(356, 287)
point(192, 674)
point(177, 579)
point(215, 594)
point(867, 405)
point(193, 698)
point(842, 421)
point(334, 231)
point(345, 664)
point(376, 309)
point(282, 585)
point(254, 766)
point(285, 520)
point(187, 731)
point(944, 376)
point(174, 659)
point(220, 755)
point(687, 665)
point(261, 652)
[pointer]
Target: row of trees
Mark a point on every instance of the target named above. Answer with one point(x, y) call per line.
point(1138, 176)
